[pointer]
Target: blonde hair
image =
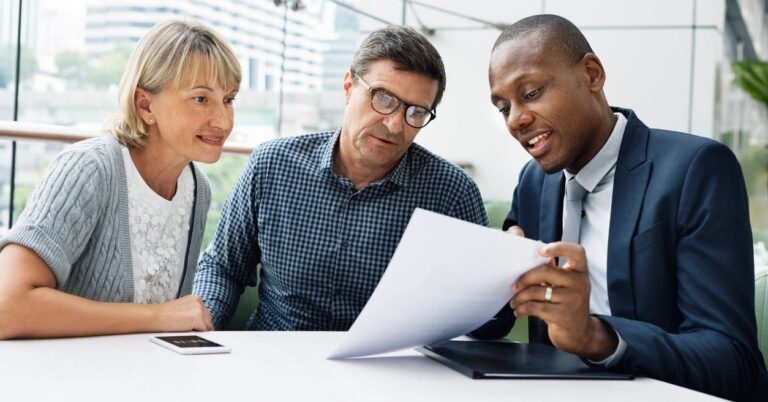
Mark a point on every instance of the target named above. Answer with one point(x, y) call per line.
point(170, 55)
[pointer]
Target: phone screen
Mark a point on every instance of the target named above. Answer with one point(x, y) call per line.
point(189, 341)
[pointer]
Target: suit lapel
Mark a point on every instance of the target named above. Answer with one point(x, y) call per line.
point(550, 230)
point(629, 186)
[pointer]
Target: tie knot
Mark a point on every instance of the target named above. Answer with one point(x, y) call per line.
point(574, 192)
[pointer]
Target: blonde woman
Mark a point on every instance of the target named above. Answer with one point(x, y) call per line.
point(109, 240)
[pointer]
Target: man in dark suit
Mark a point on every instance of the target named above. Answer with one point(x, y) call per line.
point(651, 266)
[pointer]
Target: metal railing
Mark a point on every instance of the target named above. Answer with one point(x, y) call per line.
point(17, 131)
point(11, 130)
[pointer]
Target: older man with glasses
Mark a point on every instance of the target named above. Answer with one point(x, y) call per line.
point(322, 213)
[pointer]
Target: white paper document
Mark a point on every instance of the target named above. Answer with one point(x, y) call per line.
point(446, 278)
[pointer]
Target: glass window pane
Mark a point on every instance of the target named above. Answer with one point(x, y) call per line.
point(72, 79)
point(8, 35)
point(321, 41)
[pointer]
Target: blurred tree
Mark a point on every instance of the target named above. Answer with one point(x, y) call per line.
point(73, 67)
point(20, 196)
point(109, 68)
point(8, 64)
point(752, 77)
point(102, 72)
point(22, 191)
point(222, 175)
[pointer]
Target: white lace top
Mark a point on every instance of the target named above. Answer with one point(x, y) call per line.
point(159, 234)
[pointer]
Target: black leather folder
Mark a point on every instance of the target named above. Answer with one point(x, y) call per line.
point(483, 359)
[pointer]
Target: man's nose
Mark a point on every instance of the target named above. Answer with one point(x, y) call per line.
point(395, 121)
point(518, 119)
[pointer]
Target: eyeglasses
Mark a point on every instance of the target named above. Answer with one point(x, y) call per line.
point(387, 103)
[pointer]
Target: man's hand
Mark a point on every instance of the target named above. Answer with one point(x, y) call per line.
point(184, 314)
point(516, 230)
point(566, 313)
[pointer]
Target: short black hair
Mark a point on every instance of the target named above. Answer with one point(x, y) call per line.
point(408, 49)
point(554, 29)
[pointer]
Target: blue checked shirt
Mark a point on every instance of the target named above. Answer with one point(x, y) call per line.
point(322, 244)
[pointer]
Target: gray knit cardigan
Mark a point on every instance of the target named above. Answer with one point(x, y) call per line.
point(76, 220)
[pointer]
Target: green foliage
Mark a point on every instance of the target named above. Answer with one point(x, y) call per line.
point(497, 212)
point(20, 195)
point(22, 191)
point(752, 77)
point(8, 64)
point(754, 164)
point(110, 66)
point(102, 72)
point(72, 66)
point(222, 175)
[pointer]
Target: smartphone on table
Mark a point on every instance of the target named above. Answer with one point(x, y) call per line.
point(189, 344)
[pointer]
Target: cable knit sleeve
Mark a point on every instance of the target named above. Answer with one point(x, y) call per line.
point(61, 213)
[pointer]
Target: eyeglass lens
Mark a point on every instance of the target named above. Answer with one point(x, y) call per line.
point(387, 103)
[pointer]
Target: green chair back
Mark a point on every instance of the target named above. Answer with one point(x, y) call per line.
point(247, 305)
point(497, 211)
point(761, 312)
point(249, 300)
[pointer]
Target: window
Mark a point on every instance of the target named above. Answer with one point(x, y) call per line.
point(72, 79)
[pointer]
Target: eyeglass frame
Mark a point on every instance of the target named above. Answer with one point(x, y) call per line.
point(374, 90)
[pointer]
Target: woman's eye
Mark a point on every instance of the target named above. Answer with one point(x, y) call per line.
point(229, 100)
point(199, 99)
point(504, 110)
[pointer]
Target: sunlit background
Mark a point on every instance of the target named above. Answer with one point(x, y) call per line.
point(670, 61)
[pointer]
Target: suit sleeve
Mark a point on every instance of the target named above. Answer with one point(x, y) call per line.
point(512, 216)
point(714, 349)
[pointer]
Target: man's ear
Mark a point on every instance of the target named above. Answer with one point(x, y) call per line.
point(347, 85)
point(143, 101)
point(595, 73)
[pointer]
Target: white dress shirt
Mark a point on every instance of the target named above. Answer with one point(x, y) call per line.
point(597, 178)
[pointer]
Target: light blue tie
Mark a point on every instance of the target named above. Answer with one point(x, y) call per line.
point(574, 197)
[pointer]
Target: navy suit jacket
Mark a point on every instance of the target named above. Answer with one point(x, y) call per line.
point(680, 260)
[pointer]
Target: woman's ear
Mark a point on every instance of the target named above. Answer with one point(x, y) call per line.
point(143, 100)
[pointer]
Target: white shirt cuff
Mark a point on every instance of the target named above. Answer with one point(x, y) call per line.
point(616, 356)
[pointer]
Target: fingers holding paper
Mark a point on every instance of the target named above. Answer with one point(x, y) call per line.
point(516, 231)
point(560, 297)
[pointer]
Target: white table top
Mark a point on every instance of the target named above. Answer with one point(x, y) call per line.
point(273, 366)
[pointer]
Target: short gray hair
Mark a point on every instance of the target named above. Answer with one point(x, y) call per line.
point(170, 55)
point(408, 49)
